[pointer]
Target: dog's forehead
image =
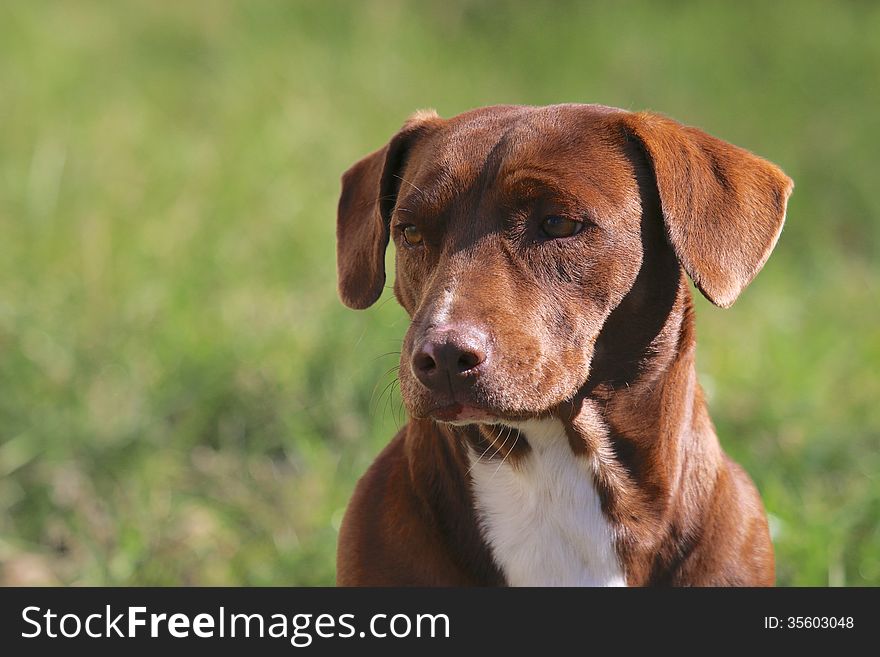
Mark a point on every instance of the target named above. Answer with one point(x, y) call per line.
point(571, 144)
point(510, 135)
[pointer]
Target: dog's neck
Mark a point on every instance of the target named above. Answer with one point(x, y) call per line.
point(656, 452)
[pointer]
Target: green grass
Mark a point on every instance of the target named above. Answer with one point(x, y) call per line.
point(183, 400)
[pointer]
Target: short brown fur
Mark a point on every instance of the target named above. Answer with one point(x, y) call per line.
point(596, 329)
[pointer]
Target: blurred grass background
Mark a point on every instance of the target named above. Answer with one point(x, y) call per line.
point(183, 400)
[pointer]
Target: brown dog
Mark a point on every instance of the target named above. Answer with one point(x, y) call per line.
point(558, 435)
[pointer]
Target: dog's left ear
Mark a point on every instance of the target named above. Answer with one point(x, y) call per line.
point(369, 194)
point(723, 206)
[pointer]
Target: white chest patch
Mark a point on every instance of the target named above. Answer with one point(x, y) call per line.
point(543, 519)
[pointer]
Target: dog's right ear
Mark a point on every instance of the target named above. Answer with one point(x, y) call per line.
point(722, 205)
point(369, 194)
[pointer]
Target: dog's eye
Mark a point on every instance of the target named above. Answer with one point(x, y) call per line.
point(555, 226)
point(412, 235)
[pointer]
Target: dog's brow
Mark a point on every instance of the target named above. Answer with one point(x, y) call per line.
point(533, 173)
point(526, 187)
point(427, 202)
point(411, 184)
point(533, 182)
point(414, 206)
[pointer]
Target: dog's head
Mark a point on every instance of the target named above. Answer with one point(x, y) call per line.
point(519, 230)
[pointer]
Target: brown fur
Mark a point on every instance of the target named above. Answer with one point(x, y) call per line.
point(595, 329)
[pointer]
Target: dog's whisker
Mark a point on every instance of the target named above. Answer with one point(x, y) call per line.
point(499, 449)
point(387, 388)
point(388, 399)
point(396, 368)
point(504, 458)
point(486, 451)
point(402, 179)
point(379, 401)
point(386, 354)
point(494, 443)
point(375, 387)
point(395, 408)
point(386, 299)
point(401, 410)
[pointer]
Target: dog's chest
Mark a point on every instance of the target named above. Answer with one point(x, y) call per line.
point(542, 518)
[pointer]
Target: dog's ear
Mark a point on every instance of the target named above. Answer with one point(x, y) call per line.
point(369, 193)
point(723, 206)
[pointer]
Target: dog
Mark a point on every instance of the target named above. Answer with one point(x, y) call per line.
point(558, 435)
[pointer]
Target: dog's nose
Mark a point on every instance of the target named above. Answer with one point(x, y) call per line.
point(450, 355)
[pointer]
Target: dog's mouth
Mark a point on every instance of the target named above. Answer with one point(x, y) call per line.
point(460, 412)
point(457, 413)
